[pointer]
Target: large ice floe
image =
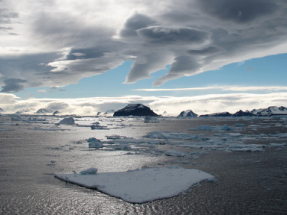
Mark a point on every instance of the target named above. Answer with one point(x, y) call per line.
point(138, 186)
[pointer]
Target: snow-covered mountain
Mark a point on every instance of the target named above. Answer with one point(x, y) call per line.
point(163, 113)
point(22, 111)
point(1, 109)
point(221, 114)
point(188, 113)
point(44, 111)
point(270, 111)
point(135, 110)
point(107, 113)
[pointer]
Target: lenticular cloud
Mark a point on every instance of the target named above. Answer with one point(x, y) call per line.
point(64, 46)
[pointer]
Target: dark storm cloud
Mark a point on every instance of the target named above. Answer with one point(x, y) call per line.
point(30, 68)
point(206, 51)
point(5, 28)
point(13, 85)
point(166, 35)
point(137, 21)
point(182, 65)
point(240, 11)
point(144, 65)
point(95, 52)
point(6, 16)
point(86, 53)
point(62, 32)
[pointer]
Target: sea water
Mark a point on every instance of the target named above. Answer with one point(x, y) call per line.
point(247, 182)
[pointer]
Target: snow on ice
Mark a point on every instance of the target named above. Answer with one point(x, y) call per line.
point(138, 186)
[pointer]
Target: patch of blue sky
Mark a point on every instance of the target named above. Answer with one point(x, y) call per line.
point(267, 71)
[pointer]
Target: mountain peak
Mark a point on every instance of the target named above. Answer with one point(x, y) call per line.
point(187, 113)
point(135, 110)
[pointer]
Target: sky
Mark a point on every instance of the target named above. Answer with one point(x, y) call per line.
point(84, 57)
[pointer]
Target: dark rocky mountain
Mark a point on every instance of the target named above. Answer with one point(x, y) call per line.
point(135, 110)
point(243, 113)
point(221, 114)
point(187, 113)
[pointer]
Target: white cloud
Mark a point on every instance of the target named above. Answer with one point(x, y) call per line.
point(173, 105)
point(223, 88)
point(42, 91)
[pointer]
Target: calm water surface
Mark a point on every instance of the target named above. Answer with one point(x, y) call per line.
point(248, 183)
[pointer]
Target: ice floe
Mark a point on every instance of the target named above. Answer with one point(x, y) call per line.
point(67, 121)
point(277, 144)
point(49, 129)
point(174, 153)
point(138, 186)
point(94, 143)
point(210, 128)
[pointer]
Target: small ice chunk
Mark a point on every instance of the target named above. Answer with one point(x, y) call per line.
point(226, 128)
point(201, 128)
point(174, 153)
point(239, 125)
point(90, 171)
point(277, 144)
point(67, 121)
point(94, 143)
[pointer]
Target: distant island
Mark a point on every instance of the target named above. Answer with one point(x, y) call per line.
point(135, 110)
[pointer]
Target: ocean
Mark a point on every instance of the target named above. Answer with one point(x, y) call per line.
point(247, 157)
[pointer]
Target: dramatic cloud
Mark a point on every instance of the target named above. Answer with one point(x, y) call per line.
point(172, 36)
point(240, 11)
point(13, 85)
point(66, 41)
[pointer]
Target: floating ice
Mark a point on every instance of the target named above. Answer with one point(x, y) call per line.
point(201, 128)
point(172, 135)
point(226, 128)
point(115, 137)
point(50, 129)
point(16, 118)
point(94, 143)
point(138, 186)
point(149, 119)
point(277, 144)
point(239, 125)
point(174, 153)
point(4, 129)
point(67, 121)
point(90, 171)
